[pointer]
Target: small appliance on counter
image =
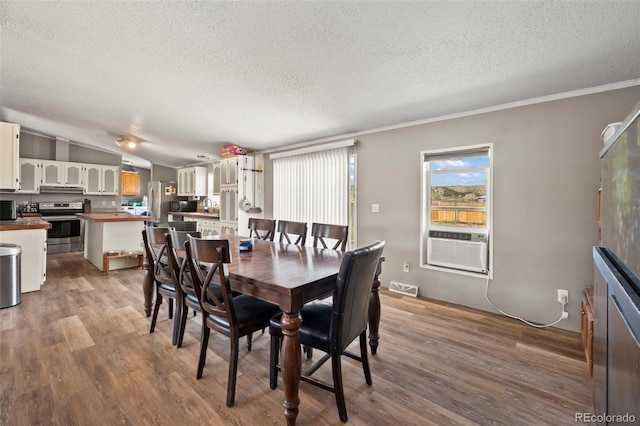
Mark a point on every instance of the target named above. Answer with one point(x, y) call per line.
point(183, 206)
point(8, 210)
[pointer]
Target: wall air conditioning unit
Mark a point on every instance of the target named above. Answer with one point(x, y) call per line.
point(459, 250)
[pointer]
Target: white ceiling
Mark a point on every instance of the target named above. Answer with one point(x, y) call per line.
point(187, 77)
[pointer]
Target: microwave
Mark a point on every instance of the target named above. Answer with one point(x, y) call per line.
point(7, 210)
point(183, 206)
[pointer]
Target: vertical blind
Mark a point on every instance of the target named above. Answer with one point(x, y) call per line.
point(312, 187)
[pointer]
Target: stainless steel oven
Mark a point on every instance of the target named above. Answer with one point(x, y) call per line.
point(67, 230)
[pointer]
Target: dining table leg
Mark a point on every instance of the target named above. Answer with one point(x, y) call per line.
point(291, 364)
point(374, 310)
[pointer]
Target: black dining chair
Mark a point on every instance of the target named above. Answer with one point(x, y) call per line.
point(322, 231)
point(262, 228)
point(155, 246)
point(289, 229)
point(331, 328)
point(231, 316)
point(186, 296)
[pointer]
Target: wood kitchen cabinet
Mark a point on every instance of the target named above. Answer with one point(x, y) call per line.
point(9, 156)
point(130, 183)
point(587, 327)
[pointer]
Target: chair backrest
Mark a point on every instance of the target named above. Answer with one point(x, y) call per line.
point(207, 258)
point(181, 274)
point(287, 228)
point(320, 231)
point(266, 226)
point(155, 244)
point(351, 297)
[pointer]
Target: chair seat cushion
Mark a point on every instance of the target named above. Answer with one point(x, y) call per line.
point(316, 323)
point(252, 314)
point(167, 287)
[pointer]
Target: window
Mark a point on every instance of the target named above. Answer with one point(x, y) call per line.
point(317, 186)
point(456, 209)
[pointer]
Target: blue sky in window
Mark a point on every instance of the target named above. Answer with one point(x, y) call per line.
point(459, 178)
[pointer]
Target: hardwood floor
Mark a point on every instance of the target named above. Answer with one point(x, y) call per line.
point(79, 352)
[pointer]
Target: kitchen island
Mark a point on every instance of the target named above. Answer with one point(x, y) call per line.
point(113, 232)
point(30, 233)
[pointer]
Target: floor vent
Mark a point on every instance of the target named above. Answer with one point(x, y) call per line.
point(406, 289)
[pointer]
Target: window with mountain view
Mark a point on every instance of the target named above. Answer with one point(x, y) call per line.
point(456, 207)
point(459, 191)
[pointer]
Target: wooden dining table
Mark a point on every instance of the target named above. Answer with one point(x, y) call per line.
point(289, 276)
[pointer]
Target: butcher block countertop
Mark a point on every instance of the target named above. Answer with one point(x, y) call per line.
point(23, 223)
point(114, 217)
point(197, 215)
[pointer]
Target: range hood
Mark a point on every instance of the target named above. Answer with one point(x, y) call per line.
point(61, 189)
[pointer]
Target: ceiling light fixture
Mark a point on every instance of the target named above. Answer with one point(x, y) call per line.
point(129, 143)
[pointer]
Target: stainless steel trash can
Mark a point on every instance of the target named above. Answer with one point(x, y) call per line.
point(9, 274)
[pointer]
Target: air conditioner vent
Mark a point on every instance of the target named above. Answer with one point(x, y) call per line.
point(458, 250)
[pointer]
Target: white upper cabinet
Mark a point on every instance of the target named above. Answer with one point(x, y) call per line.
point(192, 181)
point(9, 156)
point(30, 175)
point(101, 180)
point(53, 173)
point(74, 174)
point(229, 172)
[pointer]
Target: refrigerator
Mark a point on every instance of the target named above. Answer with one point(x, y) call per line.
point(160, 196)
point(616, 323)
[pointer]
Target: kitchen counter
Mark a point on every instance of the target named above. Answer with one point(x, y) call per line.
point(114, 217)
point(112, 231)
point(197, 215)
point(24, 223)
point(30, 233)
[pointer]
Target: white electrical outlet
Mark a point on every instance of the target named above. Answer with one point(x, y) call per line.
point(406, 267)
point(375, 208)
point(563, 296)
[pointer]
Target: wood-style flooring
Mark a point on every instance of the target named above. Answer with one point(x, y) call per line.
point(79, 352)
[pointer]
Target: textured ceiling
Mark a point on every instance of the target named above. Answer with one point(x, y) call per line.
point(186, 77)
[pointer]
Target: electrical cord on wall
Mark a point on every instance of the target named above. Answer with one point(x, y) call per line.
point(563, 315)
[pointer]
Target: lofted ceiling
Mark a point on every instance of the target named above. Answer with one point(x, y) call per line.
point(185, 78)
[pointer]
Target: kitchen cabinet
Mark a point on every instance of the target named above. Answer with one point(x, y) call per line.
point(208, 227)
point(192, 181)
point(229, 205)
point(216, 178)
point(62, 173)
point(228, 172)
point(74, 174)
point(130, 183)
point(101, 180)
point(9, 156)
point(30, 176)
point(33, 264)
point(237, 182)
point(52, 173)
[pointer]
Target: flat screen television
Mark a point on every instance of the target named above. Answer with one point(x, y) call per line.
point(621, 197)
